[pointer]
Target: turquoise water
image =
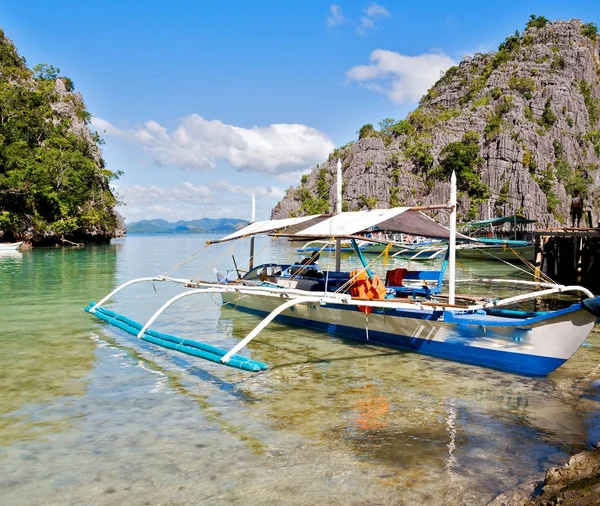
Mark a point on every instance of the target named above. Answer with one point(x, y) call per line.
point(90, 415)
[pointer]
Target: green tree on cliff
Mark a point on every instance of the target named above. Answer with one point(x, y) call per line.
point(50, 178)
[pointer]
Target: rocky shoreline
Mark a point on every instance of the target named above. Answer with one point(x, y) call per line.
point(577, 483)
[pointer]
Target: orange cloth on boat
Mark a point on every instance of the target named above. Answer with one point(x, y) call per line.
point(395, 277)
point(365, 288)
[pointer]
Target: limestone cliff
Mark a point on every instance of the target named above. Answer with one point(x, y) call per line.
point(521, 127)
point(54, 186)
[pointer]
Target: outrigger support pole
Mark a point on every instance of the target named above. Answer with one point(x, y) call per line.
point(171, 301)
point(251, 261)
point(119, 288)
point(265, 322)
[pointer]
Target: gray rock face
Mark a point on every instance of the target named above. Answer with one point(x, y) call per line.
point(66, 106)
point(545, 144)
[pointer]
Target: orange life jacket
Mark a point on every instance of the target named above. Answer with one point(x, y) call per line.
point(364, 288)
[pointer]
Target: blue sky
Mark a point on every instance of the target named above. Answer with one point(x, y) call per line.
point(203, 104)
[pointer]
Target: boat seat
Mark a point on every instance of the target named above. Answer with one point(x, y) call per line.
point(306, 271)
point(421, 283)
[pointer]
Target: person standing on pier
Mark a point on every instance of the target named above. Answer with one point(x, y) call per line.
point(576, 208)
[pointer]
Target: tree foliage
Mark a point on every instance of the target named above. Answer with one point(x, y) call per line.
point(590, 30)
point(463, 157)
point(45, 72)
point(548, 116)
point(316, 202)
point(50, 178)
point(536, 22)
point(367, 131)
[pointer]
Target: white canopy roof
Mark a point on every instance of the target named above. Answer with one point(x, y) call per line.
point(351, 223)
point(399, 219)
point(270, 226)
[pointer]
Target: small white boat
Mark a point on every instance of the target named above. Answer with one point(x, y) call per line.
point(10, 246)
point(507, 250)
point(376, 244)
point(395, 243)
point(423, 251)
point(404, 311)
point(508, 238)
point(323, 245)
point(497, 249)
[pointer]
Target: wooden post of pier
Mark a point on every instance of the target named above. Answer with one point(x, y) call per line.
point(582, 244)
point(540, 243)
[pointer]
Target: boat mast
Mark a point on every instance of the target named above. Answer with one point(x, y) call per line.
point(338, 210)
point(452, 241)
point(251, 262)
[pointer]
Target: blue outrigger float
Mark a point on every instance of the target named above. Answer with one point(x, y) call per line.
point(404, 309)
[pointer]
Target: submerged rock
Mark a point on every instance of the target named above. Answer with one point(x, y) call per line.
point(576, 483)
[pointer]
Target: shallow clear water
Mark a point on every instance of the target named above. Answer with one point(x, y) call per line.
point(90, 415)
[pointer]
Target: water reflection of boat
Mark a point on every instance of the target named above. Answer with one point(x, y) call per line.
point(11, 254)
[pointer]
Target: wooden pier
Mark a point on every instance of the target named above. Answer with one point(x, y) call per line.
point(569, 256)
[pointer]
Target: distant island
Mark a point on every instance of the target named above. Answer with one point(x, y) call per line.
point(201, 226)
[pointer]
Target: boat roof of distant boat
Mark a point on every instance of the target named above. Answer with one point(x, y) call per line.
point(500, 241)
point(513, 220)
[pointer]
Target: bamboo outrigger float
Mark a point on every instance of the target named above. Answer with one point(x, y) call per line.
point(406, 311)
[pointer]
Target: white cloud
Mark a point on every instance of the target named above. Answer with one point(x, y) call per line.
point(335, 17)
point(376, 10)
point(403, 79)
point(367, 21)
point(198, 144)
point(187, 201)
point(137, 195)
point(291, 177)
point(365, 24)
point(176, 203)
point(260, 191)
point(373, 11)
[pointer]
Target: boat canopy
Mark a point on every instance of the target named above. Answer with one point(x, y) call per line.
point(404, 220)
point(513, 220)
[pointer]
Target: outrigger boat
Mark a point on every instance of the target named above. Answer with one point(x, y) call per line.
point(393, 245)
point(507, 250)
point(405, 311)
point(499, 247)
point(325, 245)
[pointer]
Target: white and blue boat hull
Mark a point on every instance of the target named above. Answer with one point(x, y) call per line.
point(534, 346)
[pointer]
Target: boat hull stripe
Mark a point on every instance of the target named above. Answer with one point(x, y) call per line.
point(530, 365)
